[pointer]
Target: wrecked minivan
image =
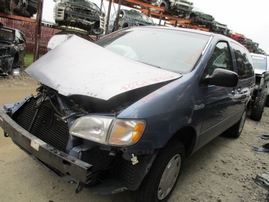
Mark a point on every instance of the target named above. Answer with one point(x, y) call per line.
point(117, 115)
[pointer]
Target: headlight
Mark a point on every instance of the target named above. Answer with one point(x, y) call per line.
point(109, 131)
point(126, 132)
point(93, 128)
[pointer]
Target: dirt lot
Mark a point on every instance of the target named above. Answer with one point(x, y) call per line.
point(221, 171)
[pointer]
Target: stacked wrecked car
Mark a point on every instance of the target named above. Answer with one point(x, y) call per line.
point(12, 50)
point(26, 8)
point(83, 14)
point(128, 18)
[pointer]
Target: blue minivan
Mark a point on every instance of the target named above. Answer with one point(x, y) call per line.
point(124, 112)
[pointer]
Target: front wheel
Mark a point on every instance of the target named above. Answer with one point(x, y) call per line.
point(163, 175)
point(257, 109)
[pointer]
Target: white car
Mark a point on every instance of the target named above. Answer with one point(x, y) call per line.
point(261, 67)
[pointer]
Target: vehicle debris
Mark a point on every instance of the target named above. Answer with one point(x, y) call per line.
point(263, 148)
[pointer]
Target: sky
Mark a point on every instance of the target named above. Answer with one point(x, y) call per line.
point(249, 18)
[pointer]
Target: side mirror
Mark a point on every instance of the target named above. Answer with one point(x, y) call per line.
point(222, 77)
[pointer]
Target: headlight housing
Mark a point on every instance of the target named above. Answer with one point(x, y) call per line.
point(108, 130)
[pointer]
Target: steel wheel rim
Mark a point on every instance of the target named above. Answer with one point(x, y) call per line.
point(169, 177)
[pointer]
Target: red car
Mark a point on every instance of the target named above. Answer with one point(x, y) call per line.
point(238, 37)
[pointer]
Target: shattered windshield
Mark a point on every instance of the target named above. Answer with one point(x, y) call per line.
point(173, 50)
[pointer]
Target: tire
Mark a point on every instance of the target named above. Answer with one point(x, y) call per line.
point(192, 18)
point(125, 25)
point(165, 6)
point(257, 109)
point(236, 130)
point(163, 175)
point(15, 63)
point(267, 101)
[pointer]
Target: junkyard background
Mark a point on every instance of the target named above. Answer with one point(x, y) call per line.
point(29, 29)
point(223, 170)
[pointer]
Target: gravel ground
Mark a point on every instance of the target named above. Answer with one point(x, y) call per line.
point(222, 171)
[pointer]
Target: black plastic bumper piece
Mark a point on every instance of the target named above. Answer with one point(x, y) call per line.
point(58, 160)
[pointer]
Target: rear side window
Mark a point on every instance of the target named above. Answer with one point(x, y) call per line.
point(243, 62)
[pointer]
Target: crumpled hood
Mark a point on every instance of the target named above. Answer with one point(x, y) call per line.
point(80, 67)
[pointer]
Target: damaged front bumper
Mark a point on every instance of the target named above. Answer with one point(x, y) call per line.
point(100, 177)
point(57, 160)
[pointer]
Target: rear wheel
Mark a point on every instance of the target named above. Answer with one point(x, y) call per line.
point(15, 66)
point(15, 63)
point(163, 175)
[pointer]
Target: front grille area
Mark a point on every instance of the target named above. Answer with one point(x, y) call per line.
point(126, 170)
point(46, 125)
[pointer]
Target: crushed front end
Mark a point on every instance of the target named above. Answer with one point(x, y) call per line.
point(40, 125)
point(86, 124)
